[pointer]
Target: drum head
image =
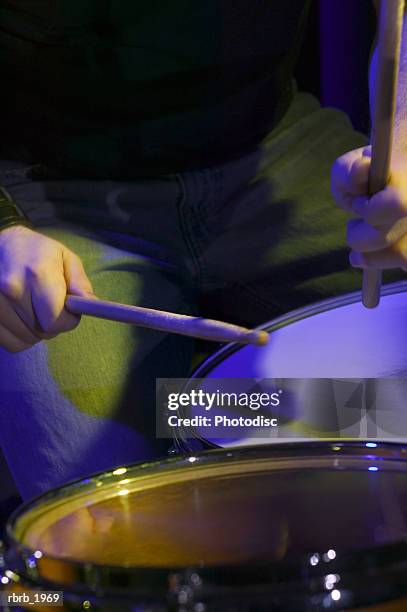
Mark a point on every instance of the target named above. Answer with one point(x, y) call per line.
point(338, 339)
point(312, 515)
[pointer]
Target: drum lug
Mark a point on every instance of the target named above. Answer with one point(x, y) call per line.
point(4, 580)
point(3, 577)
point(185, 593)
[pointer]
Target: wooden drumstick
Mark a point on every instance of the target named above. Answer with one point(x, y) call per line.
point(384, 107)
point(197, 327)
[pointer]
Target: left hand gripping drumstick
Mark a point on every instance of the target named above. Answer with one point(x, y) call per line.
point(384, 107)
point(185, 325)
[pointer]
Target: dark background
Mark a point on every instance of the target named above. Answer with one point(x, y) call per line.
point(334, 58)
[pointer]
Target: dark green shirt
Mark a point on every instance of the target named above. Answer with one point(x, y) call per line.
point(130, 88)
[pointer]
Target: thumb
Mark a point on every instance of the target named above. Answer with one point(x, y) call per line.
point(77, 281)
point(358, 182)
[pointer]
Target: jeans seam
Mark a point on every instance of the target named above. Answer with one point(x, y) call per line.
point(204, 211)
point(183, 213)
point(196, 216)
point(262, 301)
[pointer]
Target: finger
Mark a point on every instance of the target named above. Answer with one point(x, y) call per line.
point(77, 281)
point(25, 311)
point(10, 342)
point(384, 207)
point(350, 177)
point(14, 323)
point(363, 237)
point(14, 289)
point(384, 259)
point(358, 178)
point(48, 299)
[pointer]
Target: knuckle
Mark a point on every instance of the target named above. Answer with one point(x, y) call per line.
point(13, 349)
point(72, 323)
point(35, 273)
point(356, 167)
point(46, 328)
point(75, 257)
point(345, 158)
point(11, 285)
point(68, 254)
point(64, 324)
point(17, 348)
point(359, 168)
point(34, 341)
point(358, 176)
point(43, 335)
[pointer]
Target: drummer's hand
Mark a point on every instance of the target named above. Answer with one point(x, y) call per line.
point(36, 273)
point(378, 237)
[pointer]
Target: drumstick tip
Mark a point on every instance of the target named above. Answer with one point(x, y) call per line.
point(262, 338)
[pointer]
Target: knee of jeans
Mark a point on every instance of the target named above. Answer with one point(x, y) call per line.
point(21, 372)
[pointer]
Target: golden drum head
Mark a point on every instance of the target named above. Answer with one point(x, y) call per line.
point(250, 523)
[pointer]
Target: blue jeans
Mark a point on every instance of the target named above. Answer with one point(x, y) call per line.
point(244, 241)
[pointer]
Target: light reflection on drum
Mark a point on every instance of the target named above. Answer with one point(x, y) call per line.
point(285, 527)
point(335, 339)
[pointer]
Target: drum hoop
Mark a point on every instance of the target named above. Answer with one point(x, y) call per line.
point(293, 316)
point(139, 580)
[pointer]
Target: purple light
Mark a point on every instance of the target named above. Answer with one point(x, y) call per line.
point(371, 444)
point(373, 468)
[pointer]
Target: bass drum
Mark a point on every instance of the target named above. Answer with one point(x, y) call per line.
point(342, 367)
point(288, 528)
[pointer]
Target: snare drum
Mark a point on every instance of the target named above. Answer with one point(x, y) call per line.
point(296, 527)
point(337, 339)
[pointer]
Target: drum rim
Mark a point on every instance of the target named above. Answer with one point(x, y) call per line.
point(291, 317)
point(142, 577)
